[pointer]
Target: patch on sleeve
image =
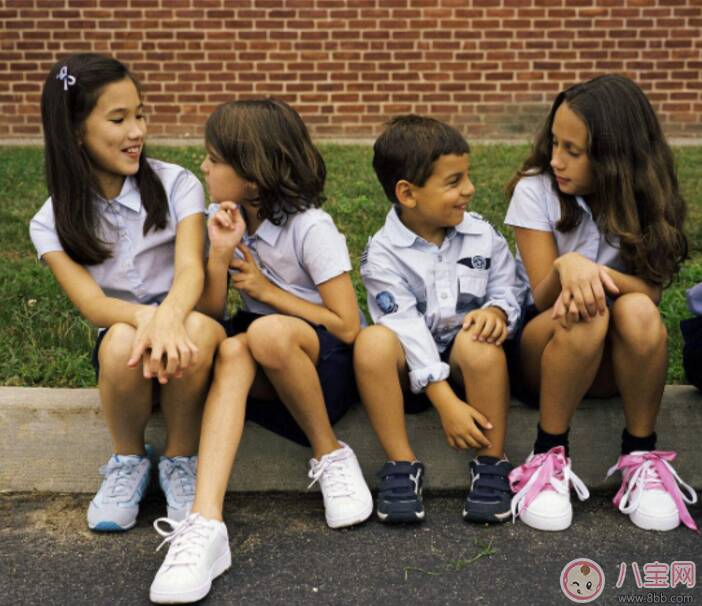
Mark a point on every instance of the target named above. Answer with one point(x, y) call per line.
point(476, 262)
point(386, 302)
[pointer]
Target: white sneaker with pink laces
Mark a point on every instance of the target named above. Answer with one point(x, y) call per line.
point(542, 487)
point(651, 492)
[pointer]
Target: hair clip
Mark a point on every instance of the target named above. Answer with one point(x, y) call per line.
point(68, 80)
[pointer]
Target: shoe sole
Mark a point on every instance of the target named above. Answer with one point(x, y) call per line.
point(220, 565)
point(551, 524)
point(111, 527)
point(486, 518)
point(647, 522)
point(351, 520)
point(409, 517)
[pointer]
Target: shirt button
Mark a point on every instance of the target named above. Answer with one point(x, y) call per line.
point(444, 295)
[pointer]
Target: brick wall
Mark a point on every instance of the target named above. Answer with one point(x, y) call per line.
point(490, 67)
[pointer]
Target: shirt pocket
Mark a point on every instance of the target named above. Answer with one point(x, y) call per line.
point(471, 293)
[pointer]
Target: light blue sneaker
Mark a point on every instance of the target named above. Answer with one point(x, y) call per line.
point(176, 475)
point(116, 505)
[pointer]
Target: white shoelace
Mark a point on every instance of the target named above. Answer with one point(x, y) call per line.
point(180, 472)
point(121, 479)
point(647, 474)
point(333, 472)
point(560, 486)
point(187, 538)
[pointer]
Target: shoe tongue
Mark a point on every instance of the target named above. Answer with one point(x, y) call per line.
point(487, 460)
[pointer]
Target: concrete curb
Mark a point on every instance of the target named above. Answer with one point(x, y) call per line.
point(54, 440)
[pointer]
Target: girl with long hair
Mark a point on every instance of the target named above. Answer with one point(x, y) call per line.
point(124, 235)
point(598, 220)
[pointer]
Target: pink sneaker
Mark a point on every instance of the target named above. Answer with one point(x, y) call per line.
point(650, 494)
point(542, 487)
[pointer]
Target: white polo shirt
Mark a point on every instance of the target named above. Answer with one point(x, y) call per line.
point(535, 205)
point(141, 267)
point(297, 256)
point(422, 292)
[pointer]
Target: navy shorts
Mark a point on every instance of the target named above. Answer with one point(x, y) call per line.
point(517, 383)
point(335, 371)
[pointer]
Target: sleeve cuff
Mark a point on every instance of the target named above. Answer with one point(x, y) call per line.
point(421, 377)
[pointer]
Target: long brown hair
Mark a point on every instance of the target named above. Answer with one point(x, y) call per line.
point(634, 182)
point(69, 170)
point(265, 141)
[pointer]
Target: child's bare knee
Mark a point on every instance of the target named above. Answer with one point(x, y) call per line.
point(116, 348)
point(637, 321)
point(271, 340)
point(477, 356)
point(375, 346)
point(232, 350)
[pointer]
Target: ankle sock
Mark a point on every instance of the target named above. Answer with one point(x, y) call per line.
point(546, 441)
point(631, 443)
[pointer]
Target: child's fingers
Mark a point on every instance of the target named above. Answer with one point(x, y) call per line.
point(608, 282)
point(238, 264)
point(137, 352)
point(478, 325)
point(172, 359)
point(481, 419)
point(154, 360)
point(246, 252)
point(503, 336)
point(479, 439)
point(600, 298)
point(228, 206)
point(184, 356)
point(496, 333)
point(468, 321)
point(488, 328)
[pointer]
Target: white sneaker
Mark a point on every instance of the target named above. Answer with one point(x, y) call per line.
point(651, 493)
point(542, 487)
point(347, 500)
point(116, 505)
point(198, 554)
point(176, 475)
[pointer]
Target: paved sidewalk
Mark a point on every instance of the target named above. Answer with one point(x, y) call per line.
point(283, 553)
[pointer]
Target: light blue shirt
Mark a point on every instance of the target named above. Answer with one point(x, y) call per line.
point(422, 292)
point(297, 256)
point(535, 205)
point(141, 267)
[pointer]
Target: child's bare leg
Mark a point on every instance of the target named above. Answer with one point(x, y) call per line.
point(379, 362)
point(125, 395)
point(223, 424)
point(561, 364)
point(287, 349)
point(639, 359)
point(182, 399)
point(482, 368)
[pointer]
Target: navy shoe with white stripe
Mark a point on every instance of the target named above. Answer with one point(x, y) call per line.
point(400, 492)
point(490, 496)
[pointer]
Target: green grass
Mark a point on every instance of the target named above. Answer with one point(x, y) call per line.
point(44, 341)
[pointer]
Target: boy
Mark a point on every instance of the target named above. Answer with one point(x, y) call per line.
point(443, 295)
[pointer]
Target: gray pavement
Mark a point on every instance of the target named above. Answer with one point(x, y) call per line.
point(283, 553)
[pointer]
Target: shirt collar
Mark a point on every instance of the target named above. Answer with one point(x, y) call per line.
point(268, 232)
point(584, 205)
point(400, 235)
point(129, 196)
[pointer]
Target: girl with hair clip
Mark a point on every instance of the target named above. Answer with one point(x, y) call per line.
point(124, 237)
point(287, 364)
point(598, 221)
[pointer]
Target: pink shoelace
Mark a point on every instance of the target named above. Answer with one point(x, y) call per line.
point(651, 469)
point(546, 471)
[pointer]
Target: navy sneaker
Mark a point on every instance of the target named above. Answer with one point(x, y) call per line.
point(400, 492)
point(490, 496)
